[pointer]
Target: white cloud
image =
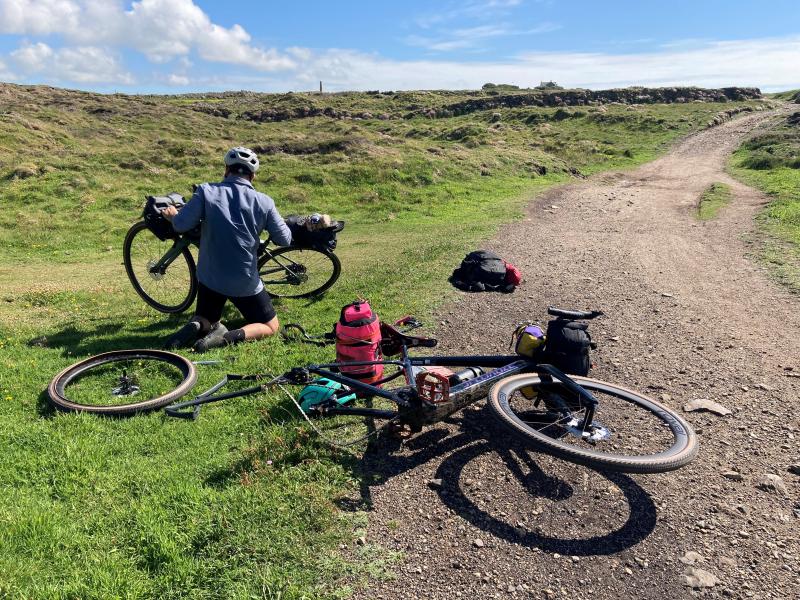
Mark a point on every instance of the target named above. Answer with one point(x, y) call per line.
point(472, 9)
point(471, 37)
point(160, 29)
point(769, 63)
point(80, 64)
point(166, 29)
point(32, 57)
point(38, 17)
point(5, 74)
point(177, 80)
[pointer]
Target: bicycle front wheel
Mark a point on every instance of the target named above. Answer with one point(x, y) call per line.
point(169, 290)
point(294, 272)
point(629, 432)
point(123, 382)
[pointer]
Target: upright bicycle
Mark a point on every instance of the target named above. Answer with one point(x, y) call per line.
point(162, 270)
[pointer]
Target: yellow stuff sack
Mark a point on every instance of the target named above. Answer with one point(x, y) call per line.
point(528, 340)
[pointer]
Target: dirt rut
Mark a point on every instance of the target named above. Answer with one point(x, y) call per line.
point(688, 315)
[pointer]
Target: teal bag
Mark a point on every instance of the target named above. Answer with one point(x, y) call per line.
point(323, 390)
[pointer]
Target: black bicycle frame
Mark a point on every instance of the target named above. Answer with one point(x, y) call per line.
point(165, 261)
point(411, 409)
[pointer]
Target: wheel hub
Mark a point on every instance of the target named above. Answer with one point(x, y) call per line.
point(154, 274)
point(595, 433)
point(297, 274)
point(127, 385)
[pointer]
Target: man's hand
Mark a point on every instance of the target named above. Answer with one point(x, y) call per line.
point(169, 213)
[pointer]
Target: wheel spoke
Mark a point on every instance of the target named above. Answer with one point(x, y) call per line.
point(297, 272)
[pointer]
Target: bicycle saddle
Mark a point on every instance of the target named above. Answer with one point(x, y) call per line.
point(392, 340)
point(573, 314)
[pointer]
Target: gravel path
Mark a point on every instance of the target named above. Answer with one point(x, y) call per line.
point(688, 315)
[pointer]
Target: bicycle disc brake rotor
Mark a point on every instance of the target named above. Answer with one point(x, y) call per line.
point(157, 275)
point(595, 433)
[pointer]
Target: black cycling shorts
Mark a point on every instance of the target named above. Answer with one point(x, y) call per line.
point(255, 309)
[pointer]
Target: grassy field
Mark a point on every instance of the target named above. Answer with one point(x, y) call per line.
point(790, 95)
point(713, 200)
point(242, 503)
point(771, 162)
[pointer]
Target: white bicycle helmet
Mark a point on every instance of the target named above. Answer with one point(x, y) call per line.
point(242, 156)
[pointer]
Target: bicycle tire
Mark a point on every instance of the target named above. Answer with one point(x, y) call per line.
point(303, 254)
point(58, 395)
point(683, 449)
point(172, 307)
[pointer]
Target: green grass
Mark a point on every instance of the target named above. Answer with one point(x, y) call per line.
point(771, 162)
point(790, 95)
point(713, 199)
point(243, 502)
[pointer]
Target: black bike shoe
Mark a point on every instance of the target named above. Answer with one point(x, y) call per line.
point(184, 337)
point(214, 339)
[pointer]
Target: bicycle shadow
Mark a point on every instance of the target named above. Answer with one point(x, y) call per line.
point(556, 529)
point(106, 335)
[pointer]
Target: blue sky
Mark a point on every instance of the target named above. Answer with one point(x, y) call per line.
point(175, 46)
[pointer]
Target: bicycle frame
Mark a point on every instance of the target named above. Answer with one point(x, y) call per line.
point(416, 413)
point(181, 243)
point(411, 409)
point(184, 241)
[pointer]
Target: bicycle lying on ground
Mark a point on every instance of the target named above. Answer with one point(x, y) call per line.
point(578, 419)
point(160, 265)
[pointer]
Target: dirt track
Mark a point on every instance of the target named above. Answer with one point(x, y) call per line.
point(689, 316)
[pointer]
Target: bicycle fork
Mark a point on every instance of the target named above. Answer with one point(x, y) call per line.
point(160, 267)
point(548, 372)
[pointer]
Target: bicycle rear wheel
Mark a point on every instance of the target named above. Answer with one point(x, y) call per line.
point(123, 382)
point(294, 272)
point(170, 291)
point(629, 433)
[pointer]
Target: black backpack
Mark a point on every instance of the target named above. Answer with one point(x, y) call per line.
point(567, 346)
point(480, 271)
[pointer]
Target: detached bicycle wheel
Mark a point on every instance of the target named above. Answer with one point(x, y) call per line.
point(169, 290)
point(123, 382)
point(629, 432)
point(294, 272)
